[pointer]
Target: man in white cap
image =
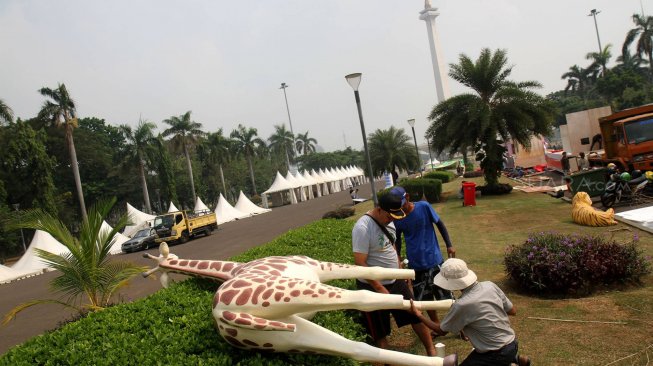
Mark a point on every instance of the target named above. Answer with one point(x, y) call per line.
point(481, 313)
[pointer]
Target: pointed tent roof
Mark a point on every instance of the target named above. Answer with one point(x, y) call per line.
point(292, 180)
point(309, 178)
point(318, 178)
point(280, 184)
point(8, 274)
point(199, 205)
point(225, 212)
point(302, 180)
point(172, 207)
point(118, 239)
point(245, 205)
point(30, 262)
point(137, 218)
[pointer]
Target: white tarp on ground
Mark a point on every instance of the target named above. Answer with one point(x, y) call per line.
point(116, 247)
point(30, 262)
point(245, 205)
point(642, 216)
point(200, 206)
point(226, 212)
point(138, 220)
point(172, 207)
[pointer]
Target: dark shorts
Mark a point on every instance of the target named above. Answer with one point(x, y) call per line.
point(503, 356)
point(378, 322)
point(424, 288)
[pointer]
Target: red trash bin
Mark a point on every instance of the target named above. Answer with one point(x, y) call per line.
point(469, 194)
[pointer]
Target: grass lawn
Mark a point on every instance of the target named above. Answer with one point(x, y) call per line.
point(480, 235)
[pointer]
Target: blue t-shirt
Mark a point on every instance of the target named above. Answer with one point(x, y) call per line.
point(422, 248)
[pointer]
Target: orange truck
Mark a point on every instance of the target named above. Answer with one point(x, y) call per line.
point(627, 139)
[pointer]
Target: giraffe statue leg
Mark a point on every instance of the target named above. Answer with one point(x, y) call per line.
point(312, 338)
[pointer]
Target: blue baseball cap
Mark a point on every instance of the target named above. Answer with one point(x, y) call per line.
point(393, 201)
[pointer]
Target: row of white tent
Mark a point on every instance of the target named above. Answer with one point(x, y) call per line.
point(308, 185)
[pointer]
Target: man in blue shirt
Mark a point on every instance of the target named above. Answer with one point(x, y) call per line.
point(422, 247)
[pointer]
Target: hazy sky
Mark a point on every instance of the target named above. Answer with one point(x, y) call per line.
point(225, 60)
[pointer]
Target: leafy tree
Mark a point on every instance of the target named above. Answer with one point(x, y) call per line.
point(166, 175)
point(578, 80)
point(9, 239)
point(185, 134)
point(61, 111)
point(215, 152)
point(600, 61)
point(87, 272)
point(6, 113)
point(281, 142)
point(345, 157)
point(139, 146)
point(248, 144)
point(498, 110)
point(643, 34)
point(305, 144)
point(391, 149)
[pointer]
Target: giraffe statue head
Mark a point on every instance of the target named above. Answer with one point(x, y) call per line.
point(265, 304)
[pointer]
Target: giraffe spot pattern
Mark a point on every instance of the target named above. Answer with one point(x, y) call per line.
point(243, 298)
point(227, 296)
point(193, 263)
point(256, 294)
point(233, 341)
point(216, 266)
point(231, 331)
point(295, 293)
point(203, 265)
point(183, 263)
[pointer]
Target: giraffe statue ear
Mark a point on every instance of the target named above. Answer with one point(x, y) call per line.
point(164, 250)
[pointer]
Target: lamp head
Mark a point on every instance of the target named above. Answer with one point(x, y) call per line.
point(354, 80)
point(411, 122)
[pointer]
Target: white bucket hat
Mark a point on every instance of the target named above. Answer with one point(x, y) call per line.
point(454, 275)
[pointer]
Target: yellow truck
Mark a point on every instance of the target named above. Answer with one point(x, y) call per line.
point(180, 226)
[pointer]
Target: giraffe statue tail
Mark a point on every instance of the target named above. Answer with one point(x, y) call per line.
point(164, 254)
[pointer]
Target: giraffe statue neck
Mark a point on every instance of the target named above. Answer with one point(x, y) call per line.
point(220, 270)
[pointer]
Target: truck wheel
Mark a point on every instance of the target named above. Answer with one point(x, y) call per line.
point(184, 237)
point(607, 200)
point(208, 231)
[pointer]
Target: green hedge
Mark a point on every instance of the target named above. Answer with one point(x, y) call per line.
point(430, 188)
point(175, 326)
point(442, 175)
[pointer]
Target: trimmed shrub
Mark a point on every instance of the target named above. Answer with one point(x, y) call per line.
point(175, 326)
point(431, 188)
point(340, 213)
point(559, 264)
point(495, 190)
point(469, 166)
point(443, 175)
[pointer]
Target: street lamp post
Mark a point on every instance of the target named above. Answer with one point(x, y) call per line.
point(294, 148)
point(22, 237)
point(593, 13)
point(428, 143)
point(411, 122)
point(354, 80)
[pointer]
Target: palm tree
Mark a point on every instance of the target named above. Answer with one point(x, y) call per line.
point(217, 153)
point(391, 149)
point(186, 134)
point(87, 270)
point(247, 143)
point(139, 143)
point(577, 80)
point(6, 113)
point(643, 33)
point(305, 144)
point(281, 141)
point(599, 60)
point(61, 111)
point(498, 110)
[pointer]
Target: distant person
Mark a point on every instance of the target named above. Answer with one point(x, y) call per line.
point(422, 247)
point(564, 161)
point(354, 193)
point(481, 313)
point(395, 177)
point(373, 244)
point(583, 163)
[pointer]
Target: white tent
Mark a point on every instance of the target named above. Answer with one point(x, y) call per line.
point(299, 187)
point(118, 239)
point(306, 185)
point(315, 185)
point(8, 274)
point(30, 262)
point(245, 205)
point(226, 212)
point(281, 191)
point(172, 207)
point(200, 206)
point(139, 220)
point(324, 187)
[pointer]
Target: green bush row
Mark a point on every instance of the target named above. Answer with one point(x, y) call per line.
point(443, 175)
point(431, 189)
point(175, 327)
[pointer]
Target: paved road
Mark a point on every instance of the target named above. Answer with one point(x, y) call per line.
point(232, 238)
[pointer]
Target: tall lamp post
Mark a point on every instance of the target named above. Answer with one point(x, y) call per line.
point(22, 237)
point(294, 148)
point(411, 122)
point(593, 13)
point(354, 80)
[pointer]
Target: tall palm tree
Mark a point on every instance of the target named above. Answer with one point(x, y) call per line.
point(185, 134)
point(6, 113)
point(281, 141)
point(577, 80)
point(600, 60)
point(87, 272)
point(139, 143)
point(643, 34)
point(61, 111)
point(217, 153)
point(391, 149)
point(305, 144)
point(247, 143)
point(497, 110)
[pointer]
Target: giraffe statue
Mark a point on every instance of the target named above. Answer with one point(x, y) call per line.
point(266, 304)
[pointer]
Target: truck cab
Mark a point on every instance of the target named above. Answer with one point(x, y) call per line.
point(180, 226)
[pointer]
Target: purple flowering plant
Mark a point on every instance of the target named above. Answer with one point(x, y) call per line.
point(562, 264)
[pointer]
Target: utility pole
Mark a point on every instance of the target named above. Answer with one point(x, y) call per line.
point(593, 13)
